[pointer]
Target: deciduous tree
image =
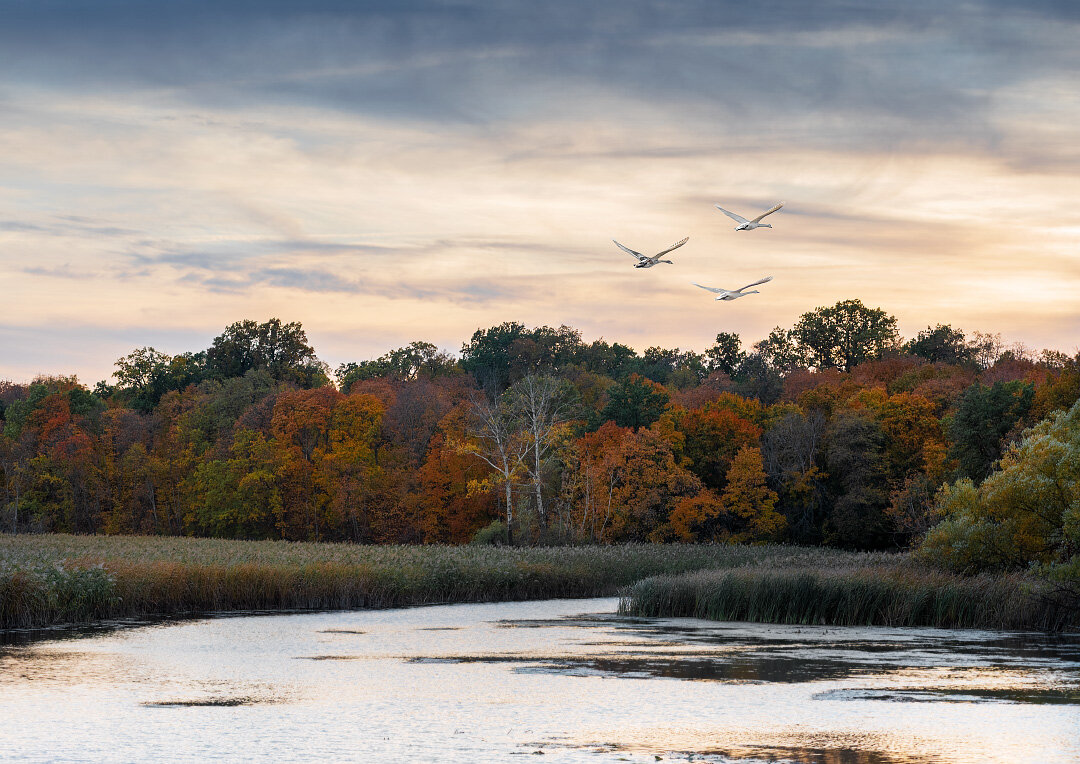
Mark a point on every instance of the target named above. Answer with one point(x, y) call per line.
point(845, 335)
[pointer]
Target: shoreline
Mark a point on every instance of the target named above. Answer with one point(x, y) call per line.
point(74, 581)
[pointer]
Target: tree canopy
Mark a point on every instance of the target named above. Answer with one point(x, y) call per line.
point(845, 335)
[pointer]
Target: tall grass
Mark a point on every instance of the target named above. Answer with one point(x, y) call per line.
point(878, 593)
point(55, 579)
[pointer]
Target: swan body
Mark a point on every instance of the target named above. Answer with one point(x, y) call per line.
point(733, 294)
point(750, 225)
point(649, 262)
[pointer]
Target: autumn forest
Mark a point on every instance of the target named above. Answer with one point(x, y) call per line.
point(833, 432)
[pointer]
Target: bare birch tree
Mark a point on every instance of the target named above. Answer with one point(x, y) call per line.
point(495, 438)
point(543, 406)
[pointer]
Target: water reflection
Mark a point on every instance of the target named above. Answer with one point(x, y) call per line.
point(570, 679)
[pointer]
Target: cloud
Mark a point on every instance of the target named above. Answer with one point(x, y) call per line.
point(388, 171)
point(826, 74)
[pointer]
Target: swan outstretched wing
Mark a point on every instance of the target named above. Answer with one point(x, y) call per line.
point(629, 251)
point(767, 212)
point(711, 289)
point(676, 245)
point(762, 281)
point(732, 215)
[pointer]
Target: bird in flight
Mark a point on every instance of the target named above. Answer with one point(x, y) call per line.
point(750, 225)
point(649, 262)
point(733, 294)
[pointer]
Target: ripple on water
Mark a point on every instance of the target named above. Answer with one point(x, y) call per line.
point(567, 678)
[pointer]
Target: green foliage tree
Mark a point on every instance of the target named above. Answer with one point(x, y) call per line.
point(608, 359)
point(635, 402)
point(845, 335)
point(780, 352)
point(281, 349)
point(854, 460)
point(757, 379)
point(983, 417)
point(499, 356)
point(942, 344)
point(544, 351)
point(413, 361)
point(726, 354)
point(487, 354)
point(679, 368)
point(1026, 513)
point(144, 375)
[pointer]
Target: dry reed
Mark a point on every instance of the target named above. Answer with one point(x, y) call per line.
point(54, 579)
point(896, 593)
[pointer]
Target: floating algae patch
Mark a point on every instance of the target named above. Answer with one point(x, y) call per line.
point(740, 669)
point(1039, 696)
point(554, 623)
point(334, 657)
point(198, 702)
point(765, 671)
point(781, 754)
point(800, 755)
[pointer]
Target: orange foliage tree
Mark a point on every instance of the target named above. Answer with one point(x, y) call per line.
point(621, 485)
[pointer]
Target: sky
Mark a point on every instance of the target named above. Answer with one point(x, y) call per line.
point(391, 171)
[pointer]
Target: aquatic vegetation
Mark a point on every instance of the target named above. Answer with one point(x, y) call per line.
point(874, 592)
point(51, 579)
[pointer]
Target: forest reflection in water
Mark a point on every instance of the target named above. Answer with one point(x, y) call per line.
point(570, 679)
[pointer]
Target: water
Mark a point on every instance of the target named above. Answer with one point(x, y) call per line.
point(568, 679)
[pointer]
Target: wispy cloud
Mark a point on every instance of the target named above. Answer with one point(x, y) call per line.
point(392, 170)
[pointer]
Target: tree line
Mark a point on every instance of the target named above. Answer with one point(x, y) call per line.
point(834, 431)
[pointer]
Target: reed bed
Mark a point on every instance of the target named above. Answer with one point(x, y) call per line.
point(875, 593)
point(62, 579)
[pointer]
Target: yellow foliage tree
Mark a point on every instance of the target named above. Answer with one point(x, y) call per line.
point(748, 503)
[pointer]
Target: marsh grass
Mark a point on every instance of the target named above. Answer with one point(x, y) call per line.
point(61, 579)
point(873, 592)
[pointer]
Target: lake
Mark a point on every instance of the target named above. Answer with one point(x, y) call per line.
point(566, 679)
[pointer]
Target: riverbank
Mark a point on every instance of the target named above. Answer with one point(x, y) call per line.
point(61, 579)
point(48, 580)
point(896, 592)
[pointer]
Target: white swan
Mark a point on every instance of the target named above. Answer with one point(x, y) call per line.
point(649, 262)
point(750, 225)
point(733, 294)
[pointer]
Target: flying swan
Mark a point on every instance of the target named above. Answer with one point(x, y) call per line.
point(733, 294)
point(750, 225)
point(649, 262)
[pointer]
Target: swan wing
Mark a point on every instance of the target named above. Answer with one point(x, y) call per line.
point(676, 245)
point(767, 212)
point(762, 281)
point(732, 215)
point(714, 290)
point(629, 251)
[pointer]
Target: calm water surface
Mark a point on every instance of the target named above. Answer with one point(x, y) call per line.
point(566, 679)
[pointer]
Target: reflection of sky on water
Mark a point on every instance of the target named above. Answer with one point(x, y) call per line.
point(472, 683)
